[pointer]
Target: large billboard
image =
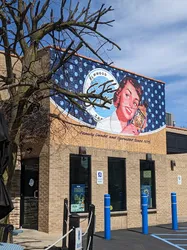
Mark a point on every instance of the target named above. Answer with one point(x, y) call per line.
point(138, 103)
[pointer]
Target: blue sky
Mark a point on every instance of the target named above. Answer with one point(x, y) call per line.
point(152, 35)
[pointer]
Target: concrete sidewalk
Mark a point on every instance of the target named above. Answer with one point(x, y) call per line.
point(33, 239)
point(121, 240)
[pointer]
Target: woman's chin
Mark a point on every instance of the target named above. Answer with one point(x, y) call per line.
point(128, 117)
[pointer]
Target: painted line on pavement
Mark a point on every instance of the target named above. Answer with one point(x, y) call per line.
point(175, 239)
point(166, 241)
point(172, 234)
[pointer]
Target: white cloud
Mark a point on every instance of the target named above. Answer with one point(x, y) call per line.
point(155, 55)
point(151, 36)
point(150, 14)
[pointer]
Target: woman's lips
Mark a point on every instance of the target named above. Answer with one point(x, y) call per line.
point(129, 111)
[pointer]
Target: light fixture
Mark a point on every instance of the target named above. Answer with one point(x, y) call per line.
point(82, 150)
point(173, 165)
point(29, 150)
point(148, 157)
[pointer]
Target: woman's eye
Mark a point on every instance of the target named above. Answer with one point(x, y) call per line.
point(127, 95)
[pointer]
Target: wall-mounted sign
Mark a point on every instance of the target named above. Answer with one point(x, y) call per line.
point(179, 178)
point(147, 174)
point(99, 177)
point(78, 238)
point(77, 197)
point(138, 103)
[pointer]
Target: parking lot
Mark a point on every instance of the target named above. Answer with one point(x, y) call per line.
point(159, 238)
point(177, 239)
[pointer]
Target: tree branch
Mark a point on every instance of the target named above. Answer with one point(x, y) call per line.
point(19, 24)
point(8, 59)
point(43, 11)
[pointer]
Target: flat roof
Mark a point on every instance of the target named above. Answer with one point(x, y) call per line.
point(176, 128)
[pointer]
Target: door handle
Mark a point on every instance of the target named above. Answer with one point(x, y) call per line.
point(36, 194)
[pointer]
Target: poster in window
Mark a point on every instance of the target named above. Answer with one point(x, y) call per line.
point(77, 198)
point(146, 189)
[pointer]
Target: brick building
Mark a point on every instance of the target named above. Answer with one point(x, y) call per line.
point(69, 161)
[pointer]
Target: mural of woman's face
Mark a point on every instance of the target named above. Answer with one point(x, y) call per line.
point(128, 104)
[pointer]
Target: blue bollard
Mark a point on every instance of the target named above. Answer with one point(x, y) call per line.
point(174, 211)
point(107, 216)
point(144, 213)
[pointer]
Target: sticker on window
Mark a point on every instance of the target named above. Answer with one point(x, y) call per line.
point(31, 182)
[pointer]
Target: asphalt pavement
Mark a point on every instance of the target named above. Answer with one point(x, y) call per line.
point(159, 238)
point(128, 240)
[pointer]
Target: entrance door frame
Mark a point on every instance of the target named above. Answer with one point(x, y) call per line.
point(35, 160)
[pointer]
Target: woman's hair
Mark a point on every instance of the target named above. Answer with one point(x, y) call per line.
point(122, 84)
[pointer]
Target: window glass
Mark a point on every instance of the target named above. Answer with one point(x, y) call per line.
point(80, 183)
point(117, 183)
point(147, 181)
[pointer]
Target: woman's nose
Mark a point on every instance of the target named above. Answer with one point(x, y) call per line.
point(131, 102)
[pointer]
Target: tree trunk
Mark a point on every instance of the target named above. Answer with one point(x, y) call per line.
point(12, 164)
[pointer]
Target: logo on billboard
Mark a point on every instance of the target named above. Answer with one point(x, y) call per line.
point(95, 81)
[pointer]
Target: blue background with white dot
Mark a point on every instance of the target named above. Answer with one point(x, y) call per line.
point(72, 75)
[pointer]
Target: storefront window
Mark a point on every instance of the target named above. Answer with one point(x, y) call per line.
point(147, 181)
point(80, 183)
point(117, 183)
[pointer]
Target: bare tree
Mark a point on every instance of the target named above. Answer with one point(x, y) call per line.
point(26, 28)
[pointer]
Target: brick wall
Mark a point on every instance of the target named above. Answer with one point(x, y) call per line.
point(43, 203)
point(59, 187)
point(173, 186)
point(64, 140)
point(54, 187)
point(15, 194)
point(4, 95)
